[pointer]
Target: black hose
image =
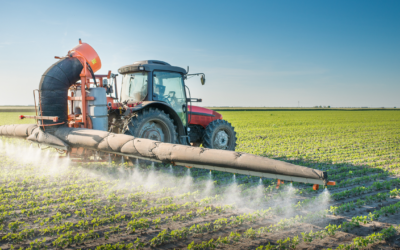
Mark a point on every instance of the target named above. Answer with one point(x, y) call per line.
point(190, 100)
point(53, 88)
point(187, 110)
point(91, 72)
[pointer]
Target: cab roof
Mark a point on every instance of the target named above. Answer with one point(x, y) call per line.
point(150, 65)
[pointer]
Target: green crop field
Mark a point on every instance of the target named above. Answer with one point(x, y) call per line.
point(50, 202)
point(13, 118)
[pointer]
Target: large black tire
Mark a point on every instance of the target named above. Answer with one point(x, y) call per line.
point(152, 124)
point(220, 134)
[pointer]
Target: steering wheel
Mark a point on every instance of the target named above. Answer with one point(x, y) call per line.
point(163, 98)
point(170, 97)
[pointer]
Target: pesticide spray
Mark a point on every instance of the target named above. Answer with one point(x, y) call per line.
point(152, 179)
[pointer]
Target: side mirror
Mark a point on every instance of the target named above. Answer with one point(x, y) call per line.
point(202, 79)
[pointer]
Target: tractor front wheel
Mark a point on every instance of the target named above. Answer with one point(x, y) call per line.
point(152, 124)
point(220, 134)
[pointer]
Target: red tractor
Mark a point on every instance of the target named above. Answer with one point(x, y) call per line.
point(154, 104)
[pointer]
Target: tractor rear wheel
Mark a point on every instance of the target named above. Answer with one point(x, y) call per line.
point(220, 134)
point(153, 124)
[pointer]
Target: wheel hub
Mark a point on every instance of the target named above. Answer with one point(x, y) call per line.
point(221, 140)
point(152, 131)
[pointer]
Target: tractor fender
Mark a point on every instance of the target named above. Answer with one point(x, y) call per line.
point(202, 116)
point(162, 106)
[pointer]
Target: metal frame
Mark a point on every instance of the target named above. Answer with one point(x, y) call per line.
point(236, 171)
point(41, 117)
point(50, 145)
point(259, 174)
point(108, 76)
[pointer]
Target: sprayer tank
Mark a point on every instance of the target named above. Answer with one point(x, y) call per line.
point(96, 109)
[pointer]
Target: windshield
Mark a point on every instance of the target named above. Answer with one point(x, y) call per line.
point(134, 87)
point(169, 87)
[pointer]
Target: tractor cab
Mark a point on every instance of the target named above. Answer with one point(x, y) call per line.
point(155, 81)
point(155, 106)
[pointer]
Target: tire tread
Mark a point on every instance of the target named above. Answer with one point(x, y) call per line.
point(210, 130)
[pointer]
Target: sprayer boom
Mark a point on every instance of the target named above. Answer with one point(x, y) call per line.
point(212, 159)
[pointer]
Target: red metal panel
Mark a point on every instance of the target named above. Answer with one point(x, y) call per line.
point(202, 116)
point(79, 98)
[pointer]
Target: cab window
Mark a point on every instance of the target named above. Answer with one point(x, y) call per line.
point(134, 87)
point(169, 87)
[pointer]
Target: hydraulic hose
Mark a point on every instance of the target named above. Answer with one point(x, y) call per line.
point(92, 73)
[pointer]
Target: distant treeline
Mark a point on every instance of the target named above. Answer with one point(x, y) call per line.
point(17, 110)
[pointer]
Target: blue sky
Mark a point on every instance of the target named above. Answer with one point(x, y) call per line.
point(254, 53)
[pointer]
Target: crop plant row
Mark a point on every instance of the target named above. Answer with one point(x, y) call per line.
point(47, 203)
